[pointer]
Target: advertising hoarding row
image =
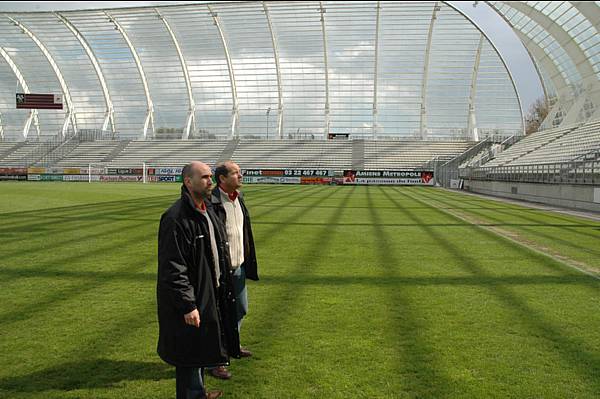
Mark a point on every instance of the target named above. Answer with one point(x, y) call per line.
point(356, 177)
point(251, 176)
point(99, 174)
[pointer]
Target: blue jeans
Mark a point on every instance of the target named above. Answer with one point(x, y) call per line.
point(189, 383)
point(241, 294)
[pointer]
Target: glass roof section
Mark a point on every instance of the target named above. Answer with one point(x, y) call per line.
point(563, 39)
point(276, 70)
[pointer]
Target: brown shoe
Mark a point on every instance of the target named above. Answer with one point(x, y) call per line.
point(245, 352)
point(214, 394)
point(220, 372)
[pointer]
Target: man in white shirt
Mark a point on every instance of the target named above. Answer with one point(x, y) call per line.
point(228, 204)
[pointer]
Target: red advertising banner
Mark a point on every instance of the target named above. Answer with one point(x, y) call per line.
point(13, 171)
point(392, 177)
point(39, 101)
point(117, 178)
point(316, 180)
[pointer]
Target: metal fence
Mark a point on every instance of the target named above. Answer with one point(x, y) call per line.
point(572, 172)
point(446, 170)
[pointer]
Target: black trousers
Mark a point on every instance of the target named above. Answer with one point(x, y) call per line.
point(189, 383)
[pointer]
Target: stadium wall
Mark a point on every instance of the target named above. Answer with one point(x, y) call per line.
point(582, 197)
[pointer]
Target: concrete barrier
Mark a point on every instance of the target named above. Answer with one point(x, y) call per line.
point(564, 195)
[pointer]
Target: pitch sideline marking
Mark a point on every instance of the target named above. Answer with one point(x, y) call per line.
point(506, 235)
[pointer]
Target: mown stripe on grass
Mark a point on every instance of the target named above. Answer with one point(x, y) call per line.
point(271, 201)
point(563, 260)
point(284, 303)
point(42, 303)
point(78, 367)
point(430, 379)
point(574, 351)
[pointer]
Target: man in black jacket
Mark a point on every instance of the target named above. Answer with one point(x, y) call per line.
point(229, 206)
point(196, 303)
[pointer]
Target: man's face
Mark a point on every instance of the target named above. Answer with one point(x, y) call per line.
point(234, 177)
point(200, 183)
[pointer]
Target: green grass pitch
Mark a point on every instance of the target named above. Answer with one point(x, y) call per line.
point(379, 292)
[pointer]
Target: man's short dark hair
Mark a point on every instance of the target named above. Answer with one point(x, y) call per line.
point(186, 171)
point(221, 170)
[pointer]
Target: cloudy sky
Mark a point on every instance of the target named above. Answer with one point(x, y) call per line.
point(507, 43)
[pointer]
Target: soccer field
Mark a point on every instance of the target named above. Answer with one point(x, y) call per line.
point(379, 292)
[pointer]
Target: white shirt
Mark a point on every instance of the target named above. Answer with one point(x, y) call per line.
point(235, 229)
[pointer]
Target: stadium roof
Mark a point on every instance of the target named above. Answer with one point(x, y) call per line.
point(275, 69)
point(562, 39)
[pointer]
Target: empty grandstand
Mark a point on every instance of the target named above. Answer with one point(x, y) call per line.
point(253, 154)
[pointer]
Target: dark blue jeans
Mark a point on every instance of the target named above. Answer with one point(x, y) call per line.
point(189, 383)
point(241, 294)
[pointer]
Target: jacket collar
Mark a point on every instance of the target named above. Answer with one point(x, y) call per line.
point(232, 196)
point(186, 197)
point(216, 199)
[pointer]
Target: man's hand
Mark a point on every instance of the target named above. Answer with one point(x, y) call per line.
point(192, 318)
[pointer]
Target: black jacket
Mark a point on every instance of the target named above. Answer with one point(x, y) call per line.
point(250, 264)
point(186, 281)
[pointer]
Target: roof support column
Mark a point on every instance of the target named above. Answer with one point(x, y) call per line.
point(109, 116)
point(563, 39)
point(71, 117)
point(326, 69)
point(472, 120)
point(28, 124)
point(539, 55)
point(149, 121)
point(33, 114)
point(190, 123)
point(375, 111)
point(423, 119)
point(278, 69)
point(548, 122)
point(588, 86)
point(235, 108)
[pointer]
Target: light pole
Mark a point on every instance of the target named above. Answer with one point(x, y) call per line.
point(268, 112)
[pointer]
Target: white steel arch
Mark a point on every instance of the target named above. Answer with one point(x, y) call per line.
point(423, 116)
point(190, 122)
point(326, 67)
point(589, 9)
point(582, 63)
point(149, 121)
point(540, 56)
point(278, 70)
point(472, 121)
point(376, 68)
point(33, 114)
point(71, 117)
point(588, 88)
point(235, 110)
point(570, 69)
point(512, 80)
point(109, 117)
